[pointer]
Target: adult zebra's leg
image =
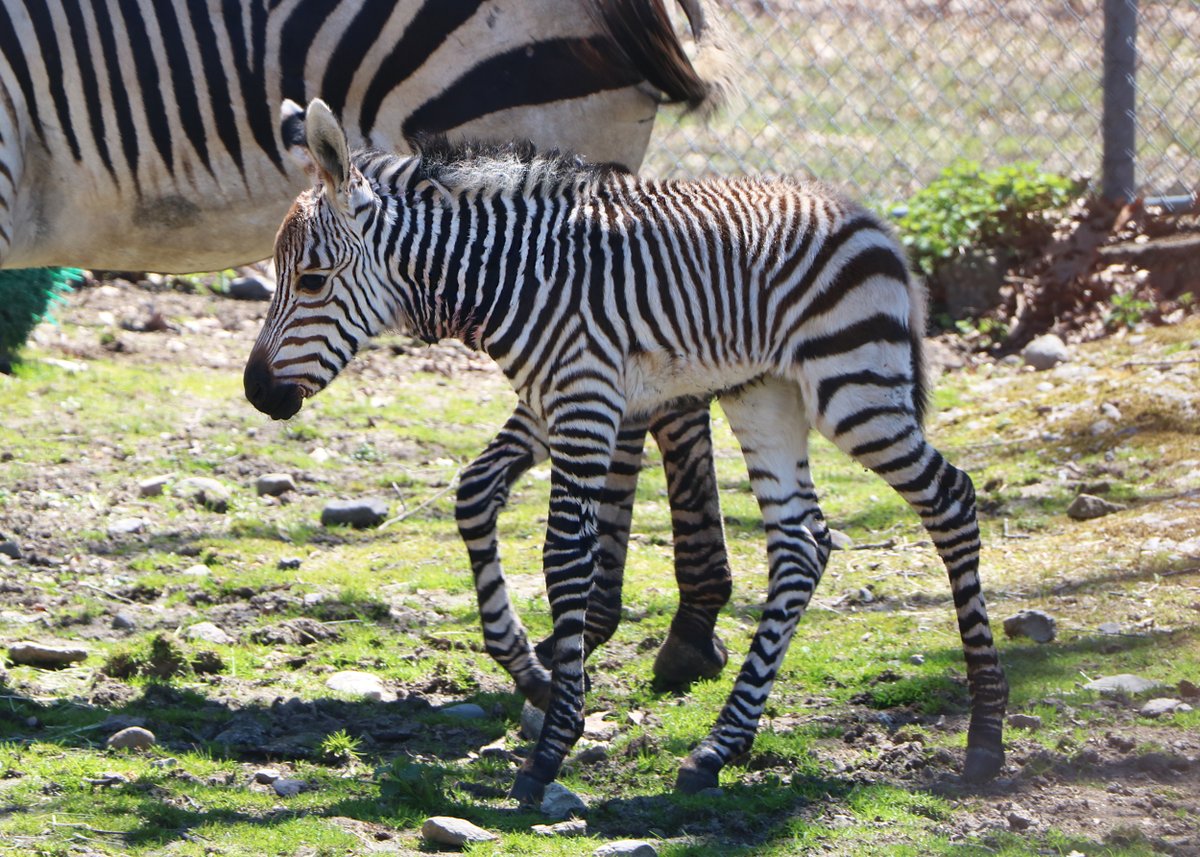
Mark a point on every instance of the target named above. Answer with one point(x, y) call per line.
point(945, 499)
point(768, 419)
point(583, 431)
point(692, 649)
point(482, 492)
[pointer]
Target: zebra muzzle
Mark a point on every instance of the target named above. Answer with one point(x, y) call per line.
point(280, 401)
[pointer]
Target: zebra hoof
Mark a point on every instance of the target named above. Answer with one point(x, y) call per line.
point(680, 662)
point(527, 791)
point(694, 778)
point(982, 764)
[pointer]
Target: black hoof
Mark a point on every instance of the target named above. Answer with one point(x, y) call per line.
point(982, 764)
point(681, 662)
point(693, 779)
point(527, 790)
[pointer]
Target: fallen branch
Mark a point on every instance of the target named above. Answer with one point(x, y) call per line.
point(106, 593)
point(1178, 362)
point(408, 513)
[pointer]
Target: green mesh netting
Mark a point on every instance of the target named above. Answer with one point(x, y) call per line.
point(27, 295)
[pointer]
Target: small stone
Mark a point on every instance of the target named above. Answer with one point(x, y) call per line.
point(251, 289)
point(839, 541)
point(132, 738)
point(168, 762)
point(626, 848)
point(360, 684)
point(1188, 690)
point(591, 754)
point(1163, 705)
point(1109, 629)
point(127, 527)
point(265, 776)
point(274, 484)
point(204, 492)
point(1123, 683)
point(1085, 507)
point(570, 827)
point(1045, 352)
point(916, 660)
point(465, 711)
point(197, 570)
point(47, 657)
point(290, 563)
point(1034, 624)
point(208, 632)
point(1025, 721)
point(10, 549)
point(532, 719)
point(445, 830)
point(285, 787)
point(153, 486)
point(560, 802)
point(1019, 821)
point(123, 622)
point(362, 513)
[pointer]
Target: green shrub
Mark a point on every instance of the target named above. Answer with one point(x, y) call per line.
point(967, 209)
point(26, 297)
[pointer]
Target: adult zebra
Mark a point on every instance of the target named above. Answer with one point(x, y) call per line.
point(141, 134)
point(602, 297)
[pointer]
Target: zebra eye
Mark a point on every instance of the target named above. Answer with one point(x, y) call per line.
point(311, 283)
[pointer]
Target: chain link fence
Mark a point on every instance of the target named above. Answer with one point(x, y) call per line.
point(880, 97)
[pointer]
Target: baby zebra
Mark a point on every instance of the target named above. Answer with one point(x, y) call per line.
point(601, 297)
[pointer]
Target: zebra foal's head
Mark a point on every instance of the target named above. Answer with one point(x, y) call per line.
point(330, 298)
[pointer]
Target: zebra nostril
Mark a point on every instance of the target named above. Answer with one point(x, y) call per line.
point(257, 379)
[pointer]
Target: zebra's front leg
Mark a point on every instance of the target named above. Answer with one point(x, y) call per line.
point(582, 439)
point(482, 492)
point(769, 422)
point(692, 649)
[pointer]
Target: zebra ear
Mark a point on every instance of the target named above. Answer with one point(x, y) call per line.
point(327, 146)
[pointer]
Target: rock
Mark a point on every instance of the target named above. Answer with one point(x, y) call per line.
point(127, 527)
point(571, 827)
point(361, 513)
point(1188, 690)
point(47, 657)
point(1163, 705)
point(1025, 721)
point(532, 719)
point(560, 802)
point(839, 540)
point(10, 549)
point(204, 492)
point(590, 755)
point(274, 484)
point(916, 660)
point(1018, 820)
point(153, 486)
point(243, 732)
point(465, 711)
point(285, 787)
point(208, 632)
point(265, 776)
point(123, 622)
point(132, 738)
point(1109, 629)
point(1046, 352)
point(626, 848)
point(290, 563)
point(445, 830)
point(1087, 506)
point(251, 289)
point(1123, 683)
point(1034, 624)
point(360, 684)
point(301, 631)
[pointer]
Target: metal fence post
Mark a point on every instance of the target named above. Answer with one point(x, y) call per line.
point(1120, 99)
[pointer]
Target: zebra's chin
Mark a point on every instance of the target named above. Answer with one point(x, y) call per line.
point(278, 400)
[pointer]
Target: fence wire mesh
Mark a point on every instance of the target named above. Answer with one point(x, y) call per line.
point(880, 97)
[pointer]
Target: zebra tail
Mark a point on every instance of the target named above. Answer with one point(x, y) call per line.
point(643, 35)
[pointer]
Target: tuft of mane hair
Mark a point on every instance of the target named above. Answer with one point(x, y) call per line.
point(503, 167)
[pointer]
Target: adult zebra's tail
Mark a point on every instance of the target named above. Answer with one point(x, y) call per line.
point(644, 37)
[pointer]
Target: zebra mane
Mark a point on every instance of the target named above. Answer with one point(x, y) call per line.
point(474, 165)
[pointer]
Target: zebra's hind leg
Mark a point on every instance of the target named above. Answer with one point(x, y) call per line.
point(895, 447)
point(768, 419)
point(482, 492)
point(692, 649)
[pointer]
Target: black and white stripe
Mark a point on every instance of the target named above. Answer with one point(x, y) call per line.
point(603, 297)
point(141, 134)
